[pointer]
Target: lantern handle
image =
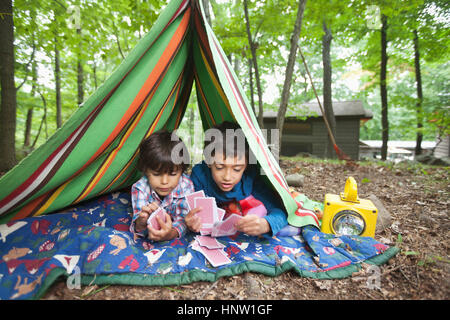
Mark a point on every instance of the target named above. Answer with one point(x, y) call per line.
point(350, 191)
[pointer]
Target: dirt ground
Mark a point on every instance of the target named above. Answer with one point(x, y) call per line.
point(417, 196)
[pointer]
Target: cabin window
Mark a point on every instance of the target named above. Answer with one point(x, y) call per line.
point(297, 128)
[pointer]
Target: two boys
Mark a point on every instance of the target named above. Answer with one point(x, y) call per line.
point(225, 175)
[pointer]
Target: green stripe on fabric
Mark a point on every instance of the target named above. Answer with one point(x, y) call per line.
point(77, 185)
point(16, 176)
point(288, 201)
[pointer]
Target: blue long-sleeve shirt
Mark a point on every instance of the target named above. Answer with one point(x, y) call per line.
point(251, 184)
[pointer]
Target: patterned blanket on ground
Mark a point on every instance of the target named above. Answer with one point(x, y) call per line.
point(91, 243)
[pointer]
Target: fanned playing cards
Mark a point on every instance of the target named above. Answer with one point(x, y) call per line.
point(160, 212)
point(212, 226)
point(225, 227)
point(211, 216)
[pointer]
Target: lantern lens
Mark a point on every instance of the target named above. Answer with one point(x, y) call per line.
point(349, 223)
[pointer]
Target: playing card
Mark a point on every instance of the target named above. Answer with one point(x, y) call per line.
point(196, 246)
point(206, 230)
point(226, 227)
point(217, 257)
point(209, 242)
point(208, 213)
point(160, 212)
point(190, 198)
point(220, 214)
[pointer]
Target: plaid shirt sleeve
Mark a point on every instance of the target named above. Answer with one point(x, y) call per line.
point(181, 208)
point(140, 196)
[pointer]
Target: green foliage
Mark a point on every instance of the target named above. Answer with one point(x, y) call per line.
point(110, 30)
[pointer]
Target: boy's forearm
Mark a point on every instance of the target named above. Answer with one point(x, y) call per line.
point(277, 220)
point(140, 224)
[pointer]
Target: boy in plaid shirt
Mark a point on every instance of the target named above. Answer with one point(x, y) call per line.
point(164, 184)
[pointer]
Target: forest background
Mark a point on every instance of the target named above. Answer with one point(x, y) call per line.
point(391, 54)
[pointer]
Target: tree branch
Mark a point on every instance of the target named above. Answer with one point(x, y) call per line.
point(27, 67)
point(117, 40)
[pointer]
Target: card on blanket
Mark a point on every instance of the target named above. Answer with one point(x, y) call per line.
point(209, 242)
point(217, 257)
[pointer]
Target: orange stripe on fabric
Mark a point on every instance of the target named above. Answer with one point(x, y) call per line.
point(29, 208)
point(148, 85)
point(202, 35)
point(175, 91)
point(120, 173)
point(176, 86)
point(102, 170)
point(244, 110)
point(184, 98)
point(216, 84)
point(51, 199)
point(152, 80)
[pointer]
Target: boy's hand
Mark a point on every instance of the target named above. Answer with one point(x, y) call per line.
point(147, 210)
point(253, 225)
point(193, 221)
point(165, 233)
point(141, 221)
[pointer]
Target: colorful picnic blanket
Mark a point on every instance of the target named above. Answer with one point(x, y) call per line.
point(91, 243)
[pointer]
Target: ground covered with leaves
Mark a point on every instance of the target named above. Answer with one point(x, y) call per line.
point(417, 197)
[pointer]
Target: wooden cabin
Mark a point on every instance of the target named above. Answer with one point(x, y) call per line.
point(305, 131)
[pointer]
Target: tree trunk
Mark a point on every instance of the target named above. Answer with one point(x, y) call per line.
point(255, 66)
point(419, 108)
point(80, 74)
point(29, 122)
point(383, 89)
point(8, 103)
point(94, 68)
point(44, 120)
point(290, 69)
point(57, 85)
point(207, 13)
point(115, 32)
point(327, 93)
point(250, 74)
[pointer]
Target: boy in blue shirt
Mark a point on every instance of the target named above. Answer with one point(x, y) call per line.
point(227, 176)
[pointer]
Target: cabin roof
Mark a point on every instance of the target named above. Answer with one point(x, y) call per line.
point(353, 108)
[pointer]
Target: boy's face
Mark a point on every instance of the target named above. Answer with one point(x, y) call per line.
point(163, 182)
point(227, 172)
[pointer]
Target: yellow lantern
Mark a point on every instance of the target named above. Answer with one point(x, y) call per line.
point(347, 214)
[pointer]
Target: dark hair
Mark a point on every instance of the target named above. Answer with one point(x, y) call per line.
point(227, 137)
point(161, 152)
